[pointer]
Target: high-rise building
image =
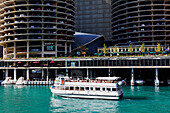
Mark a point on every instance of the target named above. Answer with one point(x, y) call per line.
point(141, 21)
point(94, 16)
point(36, 28)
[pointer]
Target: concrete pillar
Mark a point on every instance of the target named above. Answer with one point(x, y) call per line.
point(109, 72)
point(66, 72)
point(14, 50)
point(65, 48)
point(42, 76)
point(56, 49)
point(132, 78)
point(28, 74)
point(70, 48)
point(156, 78)
point(6, 73)
point(87, 73)
point(47, 74)
point(42, 55)
point(15, 74)
point(6, 51)
point(79, 63)
point(28, 49)
point(55, 72)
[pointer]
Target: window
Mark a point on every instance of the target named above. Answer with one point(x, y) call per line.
point(87, 88)
point(66, 88)
point(71, 88)
point(81, 88)
point(113, 89)
point(108, 89)
point(97, 89)
point(103, 89)
point(91, 88)
point(76, 88)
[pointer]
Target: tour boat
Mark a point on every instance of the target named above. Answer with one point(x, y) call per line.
point(20, 81)
point(8, 81)
point(107, 88)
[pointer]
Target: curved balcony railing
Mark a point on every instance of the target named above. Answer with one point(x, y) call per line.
point(140, 19)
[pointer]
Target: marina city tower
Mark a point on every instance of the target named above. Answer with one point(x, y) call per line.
point(36, 28)
point(141, 21)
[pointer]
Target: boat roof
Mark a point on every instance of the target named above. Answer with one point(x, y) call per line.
point(108, 78)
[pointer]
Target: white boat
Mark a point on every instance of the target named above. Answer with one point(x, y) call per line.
point(168, 81)
point(20, 81)
point(140, 82)
point(8, 81)
point(108, 88)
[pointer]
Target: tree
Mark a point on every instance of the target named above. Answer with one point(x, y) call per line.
point(104, 49)
point(115, 49)
point(142, 47)
point(158, 48)
point(130, 47)
point(83, 50)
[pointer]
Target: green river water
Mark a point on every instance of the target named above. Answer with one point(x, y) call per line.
point(39, 99)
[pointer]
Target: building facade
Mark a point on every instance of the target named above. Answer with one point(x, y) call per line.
point(141, 21)
point(36, 28)
point(94, 16)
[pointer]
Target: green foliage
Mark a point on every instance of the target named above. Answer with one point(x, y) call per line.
point(104, 49)
point(130, 47)
point(158, 48)
point(142, 47)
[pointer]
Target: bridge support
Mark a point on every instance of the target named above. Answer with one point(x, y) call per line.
point(156, 78)
point(132, 82)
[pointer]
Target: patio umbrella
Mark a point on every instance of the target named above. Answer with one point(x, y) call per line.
point(52, 62)
point(164, 52)
point(95, 54)
point(19, 62)
point(35, 62)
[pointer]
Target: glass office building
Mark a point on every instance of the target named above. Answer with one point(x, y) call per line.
point(94, 16)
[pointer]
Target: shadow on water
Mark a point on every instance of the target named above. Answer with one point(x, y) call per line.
point(135, 98)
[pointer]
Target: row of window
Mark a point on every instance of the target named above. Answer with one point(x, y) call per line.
point(91, 88)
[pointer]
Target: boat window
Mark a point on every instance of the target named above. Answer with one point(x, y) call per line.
point(113, 89)
point(103, 89)
point(67, 88)
point(87, 88)
point(71, 88)
point(76, 88)
point(97, 89)
point(108, 89)
point(82, 88)
point(91, 88)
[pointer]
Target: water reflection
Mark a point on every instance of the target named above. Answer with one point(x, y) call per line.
point(156, 89)
point(59, 104)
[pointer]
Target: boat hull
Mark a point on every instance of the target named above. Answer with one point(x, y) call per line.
point(84, 96)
